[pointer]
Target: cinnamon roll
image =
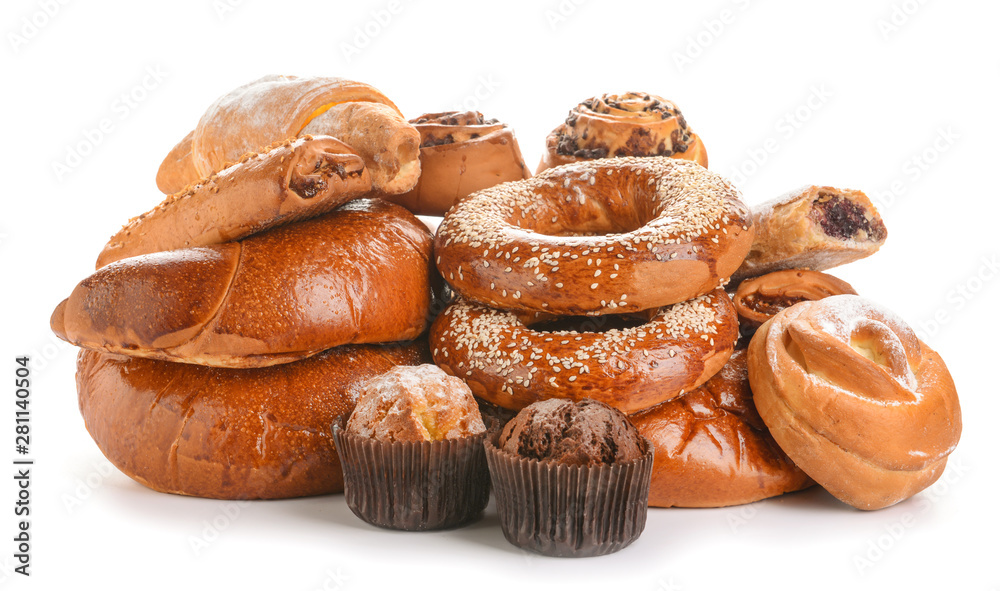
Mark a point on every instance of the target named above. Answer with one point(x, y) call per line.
point(630, 124)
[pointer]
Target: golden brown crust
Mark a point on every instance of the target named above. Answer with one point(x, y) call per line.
point(815, 228)
point(460, 153)
point(360, 274)
point(855, 399)
point(178, 167)
point(512, 365)
point(291, 181)
point(260, 113)
point(420, 403)
point(597, 237)
point(228, 433)
point(615, 125)
point(713, 449)
point(760, 298)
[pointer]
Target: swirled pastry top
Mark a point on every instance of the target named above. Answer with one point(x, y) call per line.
point(615, 125)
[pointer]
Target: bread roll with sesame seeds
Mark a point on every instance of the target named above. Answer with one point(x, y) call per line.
point(628, 363)
point(360, 274)
point(615, 125)
point(290, 181)
point(597, 237)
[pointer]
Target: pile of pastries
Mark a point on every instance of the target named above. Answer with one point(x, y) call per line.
point(282, 324)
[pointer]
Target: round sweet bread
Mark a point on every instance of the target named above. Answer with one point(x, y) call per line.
point(261, 433)
point(713, 449)
point(855, 399)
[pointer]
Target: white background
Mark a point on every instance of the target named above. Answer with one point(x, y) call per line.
point(894, 97)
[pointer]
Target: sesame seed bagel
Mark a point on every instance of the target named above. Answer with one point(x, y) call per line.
point(605, 236)
point(508, 360)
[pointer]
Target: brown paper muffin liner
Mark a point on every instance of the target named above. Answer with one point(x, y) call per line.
point(571, 511)
point(413, 485)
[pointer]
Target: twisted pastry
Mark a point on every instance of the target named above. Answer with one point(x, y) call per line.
point(460, 153)
point(630, 124)
point(855, 399)
point(275, 108)
point(713, 449)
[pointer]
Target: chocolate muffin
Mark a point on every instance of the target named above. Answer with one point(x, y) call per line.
point(570, 478)
point(582, 433)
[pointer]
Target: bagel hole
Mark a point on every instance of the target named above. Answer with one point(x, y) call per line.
point(606, 226)
point(584, 324)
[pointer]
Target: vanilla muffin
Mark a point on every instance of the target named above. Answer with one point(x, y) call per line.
point(416, 403)
point(412, 451)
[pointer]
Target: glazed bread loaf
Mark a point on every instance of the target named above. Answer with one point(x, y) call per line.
point(275, 108)
point(713, 449)
point(228, 433)
point(290, 181)
point(360, 274)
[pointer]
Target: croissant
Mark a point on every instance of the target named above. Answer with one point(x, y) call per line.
point(855, 399)
point(814, 228)
point(630, 124)
point(276, 108)
point(293, 180)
